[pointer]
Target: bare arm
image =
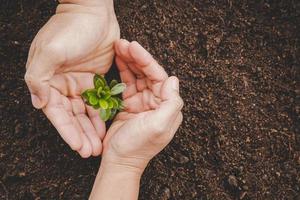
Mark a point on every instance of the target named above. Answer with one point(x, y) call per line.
point(116, 182)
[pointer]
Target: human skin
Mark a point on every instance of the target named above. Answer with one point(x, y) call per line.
point(71, 47)
point(151, 117)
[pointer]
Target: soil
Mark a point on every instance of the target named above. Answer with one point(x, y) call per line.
point(238, 63)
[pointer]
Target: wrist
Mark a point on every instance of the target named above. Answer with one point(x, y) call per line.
point(115, 181)
point(121, 166)
point(118, 174)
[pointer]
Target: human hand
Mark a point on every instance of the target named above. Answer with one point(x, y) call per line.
point(152, 110)
point(74, 44)
point(151, 117)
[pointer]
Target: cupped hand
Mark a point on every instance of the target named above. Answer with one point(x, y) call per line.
point(152, 109)
point(74, 44)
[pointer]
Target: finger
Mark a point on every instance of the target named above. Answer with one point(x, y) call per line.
point(86, 125)
point(176, 125)
point(134, 104)
point(68, 107)
point(127, 77)
point(86, 149)
point(123, 116)
point(41, 67)
point(98, 124)
point(141, 102)
point(90, 132)
point(121, 48)
point(169, 133)
point(141, 84)
point(141, 81)
point(146, 63)
point(149, 100)
point(59, 117)
point(136, 70)
point(171, 103)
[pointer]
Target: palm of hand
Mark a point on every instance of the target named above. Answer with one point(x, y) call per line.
point(131, 134)
point(71, 48)
point(123, 136)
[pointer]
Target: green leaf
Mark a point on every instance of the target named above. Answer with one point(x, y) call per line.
point(85, 96)
point(101, 97)
point(103, 114)
point(103, 93)
point(117, 89)
point(113, 113)
point(103, 80)
point(110, 103)
point(99, 81)
point(88, 103)
point(106, 89)
point(89, 92)
point(107, 96)
point(120, 104)
point(115, 102)
point(113, 83)
point(92, 92)
point(108, 114)
point(96, 107)
point(103, 104)
point(93, 100)
point(99, 92)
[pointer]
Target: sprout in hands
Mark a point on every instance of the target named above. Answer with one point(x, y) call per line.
point(105, 97)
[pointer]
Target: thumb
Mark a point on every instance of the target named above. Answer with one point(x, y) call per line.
point(171, 104)
point(40, 70)
point(171, 101)
point(39, 90)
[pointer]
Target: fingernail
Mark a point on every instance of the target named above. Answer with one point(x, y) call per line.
point(175, 84)
point(36, 102)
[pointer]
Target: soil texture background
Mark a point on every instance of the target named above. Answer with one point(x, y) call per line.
point(238, 63)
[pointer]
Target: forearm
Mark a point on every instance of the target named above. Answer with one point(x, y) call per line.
point(116, 182)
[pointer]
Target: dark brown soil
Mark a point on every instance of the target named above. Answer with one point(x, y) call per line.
point(238, 62)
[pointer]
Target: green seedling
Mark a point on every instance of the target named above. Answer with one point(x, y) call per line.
point(105, 97)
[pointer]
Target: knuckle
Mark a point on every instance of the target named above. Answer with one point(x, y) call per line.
point(179, 102)
point(160, 128)
point(180, 117)
point(29, 79)
point(52, 48)
point(75, 146)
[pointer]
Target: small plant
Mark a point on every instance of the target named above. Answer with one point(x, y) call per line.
point(105, 97)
